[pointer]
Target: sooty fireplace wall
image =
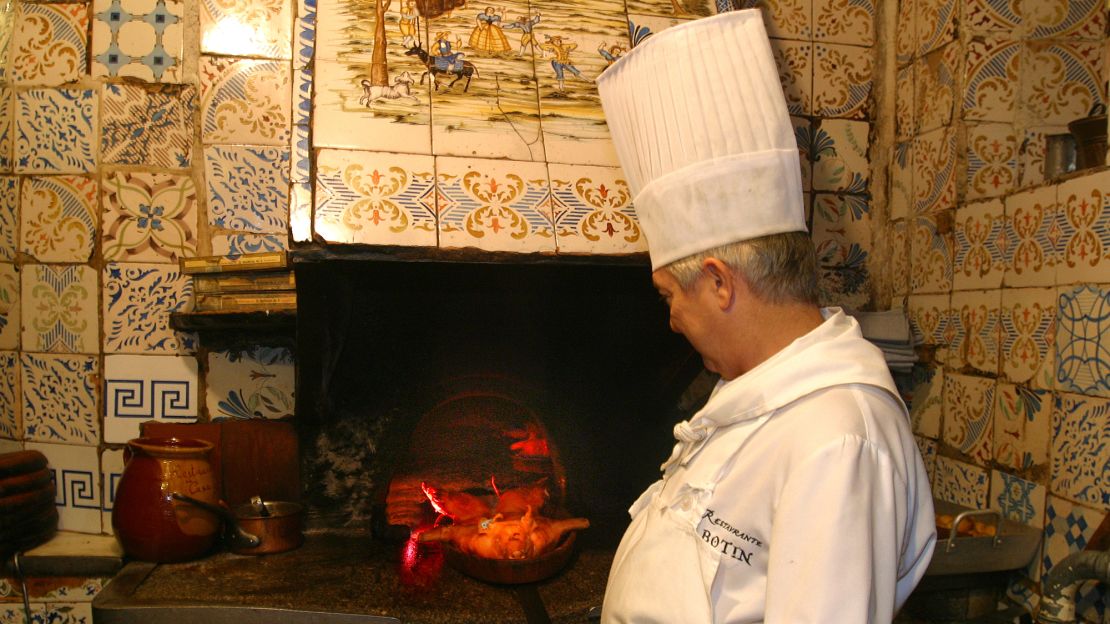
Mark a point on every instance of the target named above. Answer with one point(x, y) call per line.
point(432, 370)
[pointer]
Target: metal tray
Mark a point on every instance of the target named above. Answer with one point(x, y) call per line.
point(1012, 547)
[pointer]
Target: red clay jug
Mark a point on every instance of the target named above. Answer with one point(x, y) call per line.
point(149, 524)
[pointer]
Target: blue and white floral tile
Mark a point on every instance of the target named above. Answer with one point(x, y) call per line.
point(54, 612)
point(968, 416)
point(1083, 340)
point(245, 101)
point(494, 205)
point(789, 19)
point(376, 198)
point(76, 470)
point(239, 244)
point(1018, 499)
point(927, 409)
point(300, 211)
point(1032, 234)
point(841, 234)
point(138, 388)
point(839, 152)
point(980, 240)
point(10, 306)
point(58, 218)
point(111, 469)
point(992, 160)
point(11, 413)
point(936, 23)
point(593, 211)
point(138, 39)
point(237, 28)
point(304, 34)
point(55, 131)
point(60, 308)
point(901, 197)
point(138, 301)
point(300, 151)
point(149, 217)
point(1080, 436)
point(794, 60)
point(976, 316)
point(258, 383)
point(931, 253)
point(7, 117)
point(1029, 336)
point(248, 187)
point(961, 483)
point(147, 125)
point(1062, 79)
point(1022, 427)
point(9, 217)
point(1083, 221)
point(844, 21)
point(49, 43)
point(1070, 528)
point(841, 80)
point(60, 398)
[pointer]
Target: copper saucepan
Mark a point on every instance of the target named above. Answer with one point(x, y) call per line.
point(258, 527)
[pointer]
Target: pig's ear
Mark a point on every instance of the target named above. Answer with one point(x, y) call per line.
point(527, 521)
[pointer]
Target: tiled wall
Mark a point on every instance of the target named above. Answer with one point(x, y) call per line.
point(1008, 274)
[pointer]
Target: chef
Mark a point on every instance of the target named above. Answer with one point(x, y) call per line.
point(797, 493)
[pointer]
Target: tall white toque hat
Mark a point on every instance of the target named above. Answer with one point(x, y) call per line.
point(701, 129)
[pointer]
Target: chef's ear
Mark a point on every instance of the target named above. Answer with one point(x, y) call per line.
point(722, 280)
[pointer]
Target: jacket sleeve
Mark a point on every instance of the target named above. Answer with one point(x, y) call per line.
point(834, 548)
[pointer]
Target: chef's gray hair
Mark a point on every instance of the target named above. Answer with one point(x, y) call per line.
point(779, 268)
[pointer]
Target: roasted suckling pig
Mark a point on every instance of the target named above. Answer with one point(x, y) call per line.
point(499, 538)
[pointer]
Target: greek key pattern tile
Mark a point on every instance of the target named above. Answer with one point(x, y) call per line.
point(1022, 427)
point(59, 308)
point(138, 300)
point(49, 44)
point(144, 125)
point(76, 472)
point(149, 217)
point(248, 187)
point(1080, 435)
point(1083, 340)
point(55, 131)
point(593, 211)
point(59, 398)
point(138, 388)
point(10, 306)
point(11, 426)
point(58, 218)
point(138, 38)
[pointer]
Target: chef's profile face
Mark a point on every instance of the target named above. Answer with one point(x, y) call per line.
point(689, 311)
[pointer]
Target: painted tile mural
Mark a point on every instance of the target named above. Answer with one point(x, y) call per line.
point(254, 384)
point(138, 38)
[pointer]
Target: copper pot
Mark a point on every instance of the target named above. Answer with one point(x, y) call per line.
point(258, 528)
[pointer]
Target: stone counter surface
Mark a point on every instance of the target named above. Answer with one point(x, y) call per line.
point(348, 573)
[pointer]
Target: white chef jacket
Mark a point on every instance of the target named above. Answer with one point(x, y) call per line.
point(795, 495)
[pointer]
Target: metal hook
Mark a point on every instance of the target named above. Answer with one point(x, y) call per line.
point(22, 587)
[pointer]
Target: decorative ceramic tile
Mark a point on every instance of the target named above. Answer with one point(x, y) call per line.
point(147, 125)
point(10, 306)
point(1080, 435)
point(494, 205)
point(60, 612)
point(149, 217)
point(58, 215)
point(248, 187)
point(928, 450)
point(60, 398)
point(138, 300)
point(1083, 340)
point(304, 32)
point(976, 313)
point(11, 421)
point(991, 79)
point(245, 101)
point(238, 244)
point(59, 308)
point(301, 105)
point(54, 131)
point(794, 60)
point(6, 117)
point(1062, 81)
point(961, 483)
point(931, 246)
point(901, 196)
point(76, 471)
point(992, 15)
point(935, 87)
point(898, 239)
point(980, 241)
point(1083, 221)
point(300, 155)
point(805, 136)
point(1022, 425)
point(49, 43)
point(1031, 155)
point(341, 116)
point(1074, 19)
point(9, 217)
point(593, 211)
point(642, 27)
point(1018, 500)
point(235, 28)
point(841, 80)
point(839, 153)
point(254, 384)
point(927, 409)
point(8, 12)
point(786, 19)
point(905, 37)
point(1068, 529)
point(688, 9)
point(842, 238)
point(1029, 336)
point(934, 171)
point(300, 211)
point(936, 24)
point(375, 198)
point(111, 469)
point(139, 39)
point(905, 104)
point(992, 160)
point(138, 388)
point(1031, 235)
point(968, 411)
point(844, 21)
point(929, 317)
